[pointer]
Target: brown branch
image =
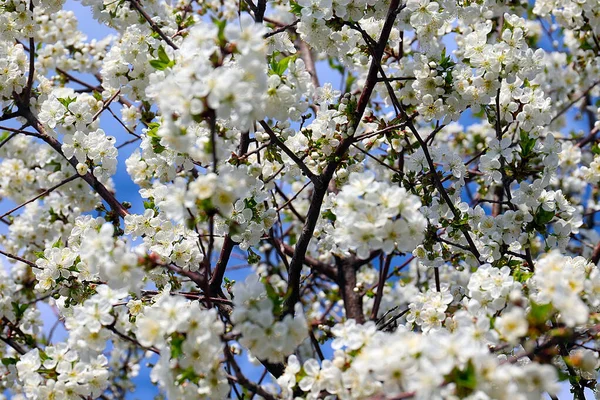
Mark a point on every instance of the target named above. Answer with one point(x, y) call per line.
point(107, 195)
point(281, 29)
point(353, 304)
point(384, 130)
point(20, 130)
point(195, 277)
point(397, 78)
point(571, 103)
point(221, 266)
point(260, 11)
point(309, 61)
point(45, 192)
point(319, 266)
point(72, 78)
point(127, 142)
point(17, 258)
point(125, 126)
point(5, 117)
point(13, 344)
point(322, 181)
point(106, 105)
point(130, 339)
point(380, 162)
point(274, 139)
point(588, 138)
point(27, 91)
point(12, 135)
point(242, 380)
point(376, 66)
point(288, 201)
point(382, 278)
point(152, 24)
point(191, 296)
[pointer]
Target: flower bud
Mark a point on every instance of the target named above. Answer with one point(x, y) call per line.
point(82, 169)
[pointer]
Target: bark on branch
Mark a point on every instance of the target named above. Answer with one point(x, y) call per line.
point(323, 180)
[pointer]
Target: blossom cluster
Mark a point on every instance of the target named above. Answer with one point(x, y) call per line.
point(188, 338)
point(255, 313)
point(371, 215)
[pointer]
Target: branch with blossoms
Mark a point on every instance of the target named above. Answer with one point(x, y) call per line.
point(423, 226)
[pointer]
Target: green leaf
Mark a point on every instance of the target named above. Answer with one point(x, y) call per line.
point(156, 146)
point(522, 276)
point(253, 258)
point(542, 217)
point(9, 361)
point(149, 205)
point(279, 67)
point(162, 55)
point(163, 62)
point(527, 144)
point(57, 166)
point(539, 314)
point(152, 129)
point(296, 8)
point(176, 345)
point(329, 215)
point(221, 24)
point(19, 309)
point(250, 203)
point(152, 132)
point(159, 65)
point(187, 374)
point(66, 101)
point(44, 356)
point(446, 61)
point(272, 154)
point(465, 379)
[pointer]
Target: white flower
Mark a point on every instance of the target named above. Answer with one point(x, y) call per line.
point(512, 325)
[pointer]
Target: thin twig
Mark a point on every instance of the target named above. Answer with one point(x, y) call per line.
point(281, 29)
point(571, 103)
point(152, 24)
point(107, 195)
point(287, 151)
point(45, 192)
point(106, 105)
point(18, 258)
point(382, 278)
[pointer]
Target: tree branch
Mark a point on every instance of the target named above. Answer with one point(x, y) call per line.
point(221, 266)
point(321, 186)
point(305, 170)
point(17, 258)
point(382, 278)
point(107, 195)
point(130, 339)
point(376, 66)
point(571, 103)
point(152, 24)
point(45, 192)
point(242, 380)
point(27, 91)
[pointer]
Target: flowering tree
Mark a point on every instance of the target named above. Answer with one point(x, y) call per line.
point(394, 252)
